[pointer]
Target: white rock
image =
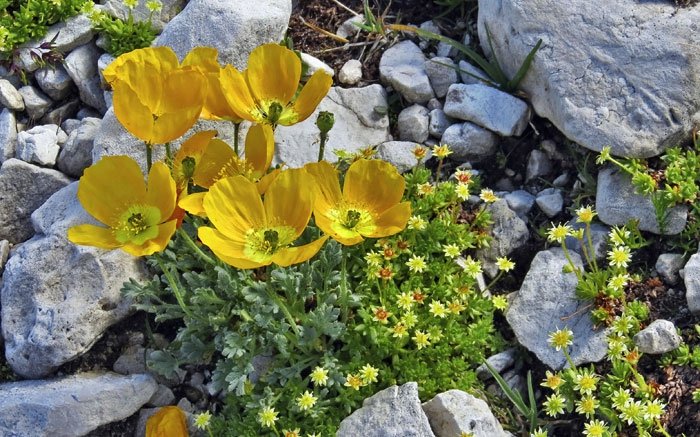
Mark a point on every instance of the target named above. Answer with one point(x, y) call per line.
point(499, 362)
point(63, 112)
point(314, 64)
point(236, 31)
point(668, 265)
point(10, 98)
point(399, 153)
point(357, 125)
point(70, 406)
point(538, 164)
point(8, 134)
point(487, 107)
point(81, 65)
point(442, 73)
point(347, 29)
point(691, 279)
point(36, 103)
point(469, 142)
point(55, 81)
point(471, 74)
point(550, 201)
point(626, 77)
point(39, 145)
point(413, 124)
point(76, 153)
point(169, 9)
point(520, 201)
point(617, 203)
point(402, 66)
point(455, 413)
point(351, 72)
point(658, 338)
point(439, 122)
point(509, 233)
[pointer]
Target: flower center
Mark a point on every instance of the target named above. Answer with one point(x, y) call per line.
point(271, 240)
point(138, 224)
point(274, 112)
point(352, 218)
point(261, 244)
point(188, 165)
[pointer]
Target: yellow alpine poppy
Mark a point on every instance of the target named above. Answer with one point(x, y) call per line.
point(138, 218)
point(368, 206)
point(219, 161)
point(188, 157)
point(155, 98)
point(250, 232)
point(167, 422)
point(265, 92)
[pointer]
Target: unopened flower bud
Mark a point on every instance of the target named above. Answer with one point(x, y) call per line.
point(325, 121)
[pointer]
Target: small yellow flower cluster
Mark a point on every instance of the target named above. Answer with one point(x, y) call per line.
point(367, 375)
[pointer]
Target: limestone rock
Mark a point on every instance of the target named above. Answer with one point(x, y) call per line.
point(39, 145)
point(455, 413)
point(36, 103)
point(76, 154)
point(691, 279)
point(628, 75)
point(658, 338)
point(71, 406)
point(81, 65)
point(442, 72)
point(8, 135)
point(668, 265)
point(413, 124)
point(469, 142)
point(399, 153)
point(547, 290)
point(55, 82)
point(403, 67)
point(10, 98)
point(509, 233)
point(351, 72)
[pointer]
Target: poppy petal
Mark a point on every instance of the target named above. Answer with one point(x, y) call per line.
point(91, 235)
point(259, 148)
point(211, 167)
point(234, 206)
point(373, 183)
point(136, 117)
point(328, 194)
point(273, 73)
point(287, 202)
point(235, 90)
point(229, 251)
point(161, 191)
point(193, 203)
point(391, 221)
point(167, 422)
point(341, 234)
point(311, 95)
point(157, 244)
point(295, 255)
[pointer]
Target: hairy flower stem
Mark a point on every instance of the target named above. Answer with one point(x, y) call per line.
point(568, 359)
point(591, 250)
point(149, 157)
point(192, 245)
point(439, 168)
point(576, 270)
point(168, 155)
point(344, 284)
point(322, 145)
point(494, 280)
point(236, 129)
point(282, 306)
point(174, 287)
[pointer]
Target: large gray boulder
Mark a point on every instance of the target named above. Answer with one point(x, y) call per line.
point(233, 27)
point(617, 202)
point(59, 298)
point(357, 125)
point(71, 406)
point(24, 188)
point(456, 413)
point(624, 73)
point(393, 412)
point(547, 302)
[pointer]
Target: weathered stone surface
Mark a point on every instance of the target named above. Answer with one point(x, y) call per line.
point(628, 76)
point(10, 98)
point(395, 411)
point(63, 112)
point(233, 27)
point(169, 9)
point(547, 290)
point(487, 107)
point(691, 278)
point(39, 145)
point(509, 233)
point(550, 201)
point(442, 72)
point(469, 142)
point(471, 74)
point(400, 154)
point(439, 122)
point(76, 153)
point(520, 201)
point(668, 265)
point(8, 134)
point(23, 188)
point(357, 125)
point(70, 406)
point(617, 203)
point(58, 298)
point(499, 362)
point(313, 64)
point(81, 65)
point(455, 413)
point(658, 338)
point(598, 239)
point(413, 124)
point(69, 34)
point(36, 103)
point(538, 164)
point(55, 81)
point(403, 67)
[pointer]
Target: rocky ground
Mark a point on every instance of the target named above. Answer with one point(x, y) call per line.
point(62, 310)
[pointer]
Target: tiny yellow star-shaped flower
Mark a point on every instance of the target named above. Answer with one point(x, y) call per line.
point(381, 315)
point(425, 189)
point(595, 428)
point(319, 376)
point(442, 151)
point(267, 417)
point(500, 302)
point(399, 330)
point(416, 264)
point(585, 214)
point(437, 309)
point(405, 301)
point(488, 196)
point(462, 191)
point(409, 319)
point(505, 264)
point(552, 380)
point(456, 307)
point(558, 233)
point(417, 223)
point(561, 339)
point(422, 339)
point(353, 381)
point(369, 374)
point(451, 250)
point(291, 432)
point(472, 267)
point(202, 420)
point(306, 401)
point(419, 152)
point(620, 256)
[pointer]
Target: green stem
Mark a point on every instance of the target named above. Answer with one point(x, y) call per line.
point(568, 359)
point(236, 128)
point(344, 283)
point(174, 287)
point(149, 157)
point(282, 306)
point(437, 172)
point(591, 251)
point(322, 146)
point(192, 245)
point(577, 271)
point(168, 154)
point(494, 280)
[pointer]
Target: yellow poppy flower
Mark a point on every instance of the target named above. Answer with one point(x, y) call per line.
point(167, 422)
point(188, 156)
point(219, 161)
point(265, 92)
point(138, 218)
point(155, 99)
point(368, 206)
point(250, 232)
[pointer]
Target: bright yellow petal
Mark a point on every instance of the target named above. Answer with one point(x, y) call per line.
point(167, 422)
point(126, 67)
point(392, 221)
point(183, 90)
point(288, 200)
point(260, 148)
point(165, 233)
point(237, 94)
point(215, 105)
point(161, 190)
point(136, 117)
point(234, 206)
point(295, 255)
point(373, 183)
point(194, 148)
point(264, 182)
point(110, 186)
point(311, 95)
point(91, 235)
point(341, 234)
point(229, 251)
point(204, 58)
point(327, 187)
point(273, 73)
point(172, 126)
point(211, 167)
point(193, 203)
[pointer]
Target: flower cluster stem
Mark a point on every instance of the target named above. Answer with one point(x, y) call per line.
point(344, 283)
point(174, 287)
point(192, 245)
point(282, 306)
point(322, 145)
